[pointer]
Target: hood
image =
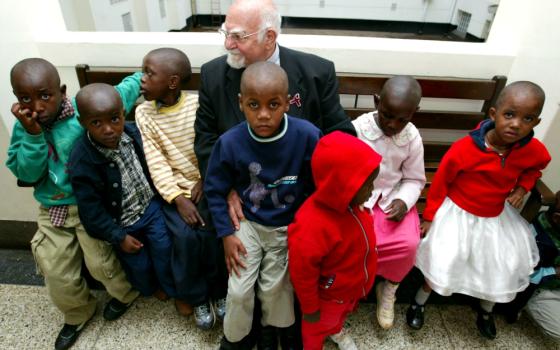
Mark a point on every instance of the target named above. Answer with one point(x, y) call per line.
point(486, 125)
point(340, 164)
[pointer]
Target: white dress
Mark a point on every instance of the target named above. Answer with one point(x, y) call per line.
point(487, 258)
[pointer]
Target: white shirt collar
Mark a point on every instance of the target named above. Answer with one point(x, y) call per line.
point(275, 57)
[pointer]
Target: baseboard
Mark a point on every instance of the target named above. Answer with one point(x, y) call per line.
point(16, 234)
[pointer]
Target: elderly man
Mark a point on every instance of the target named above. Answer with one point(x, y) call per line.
point(251, 30)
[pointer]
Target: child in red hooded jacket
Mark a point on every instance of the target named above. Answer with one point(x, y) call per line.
point(331, 243)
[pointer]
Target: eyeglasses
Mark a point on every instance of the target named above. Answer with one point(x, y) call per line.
point(237, 36)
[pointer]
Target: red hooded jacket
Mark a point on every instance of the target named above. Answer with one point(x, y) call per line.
point(331, 245)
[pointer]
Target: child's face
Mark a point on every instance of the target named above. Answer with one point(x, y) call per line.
point(40, 94)
point(264, 107)
point(393, 114)
point(364, 192)
point(516, 116)
point(105, 125)
point(155, 80)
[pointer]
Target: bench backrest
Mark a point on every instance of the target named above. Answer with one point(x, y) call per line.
point(356, 85)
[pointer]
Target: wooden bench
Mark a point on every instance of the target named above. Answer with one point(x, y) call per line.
point(458, 120)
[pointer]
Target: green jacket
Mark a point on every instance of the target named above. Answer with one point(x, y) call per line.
point(43, 159)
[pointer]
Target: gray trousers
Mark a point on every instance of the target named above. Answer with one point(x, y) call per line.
point(544, 309)
point(266, 266)
point(59, 251)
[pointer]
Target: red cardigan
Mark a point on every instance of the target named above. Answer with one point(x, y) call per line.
point(478, 180)
point(331, 246)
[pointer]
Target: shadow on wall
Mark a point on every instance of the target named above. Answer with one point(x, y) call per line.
point(552, 142)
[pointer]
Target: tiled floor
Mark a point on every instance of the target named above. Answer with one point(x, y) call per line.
point(29, 321)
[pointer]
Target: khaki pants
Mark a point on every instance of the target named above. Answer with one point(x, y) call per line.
point(544, 309)
point(59, 251)
point(267, 266)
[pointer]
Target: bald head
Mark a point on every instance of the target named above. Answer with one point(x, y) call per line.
point(402, 89)
point(172, 62)
point(264, 74)
point(262, 12)
point(35, 71)
point(96, 99)
point(525, 88)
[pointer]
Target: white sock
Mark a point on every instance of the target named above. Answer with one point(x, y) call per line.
point(421, 296)
point(487, 305)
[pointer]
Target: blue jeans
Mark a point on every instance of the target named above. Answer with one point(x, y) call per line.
point(150, 267)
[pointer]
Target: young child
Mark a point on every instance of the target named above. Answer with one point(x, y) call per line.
point(476, 243)
point(166, 123)
point(266, 160)
point(397, 228)
point(116, 199)
point(332, 242)
point(42, 139)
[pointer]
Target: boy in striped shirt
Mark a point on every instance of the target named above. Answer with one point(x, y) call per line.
point(166, 123)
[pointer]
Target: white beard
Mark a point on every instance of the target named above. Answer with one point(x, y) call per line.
point(235, 59)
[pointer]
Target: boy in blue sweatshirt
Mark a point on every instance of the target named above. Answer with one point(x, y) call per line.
point(266, 160)
point(40, 146)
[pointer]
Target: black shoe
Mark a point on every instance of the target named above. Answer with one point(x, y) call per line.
point(240, 345)
point(290, 339)
point(68, 335)
point(485, 324)
point(115, 309)
point(415, 316)
point(268, 339)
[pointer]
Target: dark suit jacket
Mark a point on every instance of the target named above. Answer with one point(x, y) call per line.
point(312, 85)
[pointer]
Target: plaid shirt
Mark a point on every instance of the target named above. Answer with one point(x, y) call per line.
point(66, 111)
point(136, 191)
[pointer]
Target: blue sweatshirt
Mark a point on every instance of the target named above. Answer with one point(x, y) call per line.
point(272, 176)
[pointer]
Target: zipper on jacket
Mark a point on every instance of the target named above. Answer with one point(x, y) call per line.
point(367, 247)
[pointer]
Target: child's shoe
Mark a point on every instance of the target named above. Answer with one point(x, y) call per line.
point(485, 324)
point(220, 309)
point(68, 335)
point(183, 308)
point(344, 340)
point(415, 316)
point(204, 316)
point(115, 309)
point(385, 293)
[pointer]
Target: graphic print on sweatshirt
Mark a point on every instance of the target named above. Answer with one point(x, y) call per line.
point(257, 191)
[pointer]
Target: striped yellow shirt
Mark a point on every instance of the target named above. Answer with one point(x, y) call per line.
point(168, 137)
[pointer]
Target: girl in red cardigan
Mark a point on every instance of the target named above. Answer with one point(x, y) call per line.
point(476, 242)
point(331, 243)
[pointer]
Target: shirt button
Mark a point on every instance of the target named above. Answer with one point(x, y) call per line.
point(112, 165)
point(113, 203)
point(115, 185)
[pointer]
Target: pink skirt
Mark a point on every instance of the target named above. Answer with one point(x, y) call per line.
point(396, 243)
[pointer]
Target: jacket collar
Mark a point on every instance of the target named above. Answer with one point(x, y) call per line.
point(486, 125)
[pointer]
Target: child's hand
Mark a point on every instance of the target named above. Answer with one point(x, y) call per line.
point(234, 208)
point(515, 198)
point(27, 119)
point(424, 228)
point(232, 248)
point(196, 192)
point(188, 211)
point(397, 210)
point(130, 244)
point(312, 318)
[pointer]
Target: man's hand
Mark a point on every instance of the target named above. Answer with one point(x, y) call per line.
point(234, 209)
point(131, 245)
point(188, 211)
point(196, 192)
point(233, 247)
point(312, 318)
point(27, 119)
point(397, 210)
point(424, 228)
point(515, 198)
